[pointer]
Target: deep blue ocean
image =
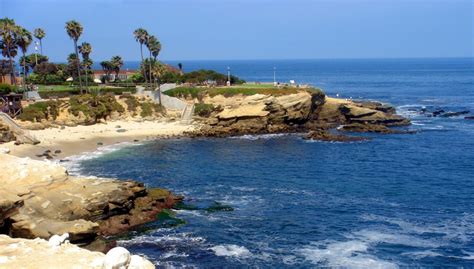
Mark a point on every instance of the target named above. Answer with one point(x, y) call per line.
point(276, 201)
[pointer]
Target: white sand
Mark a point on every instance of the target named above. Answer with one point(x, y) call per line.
point(79, 139)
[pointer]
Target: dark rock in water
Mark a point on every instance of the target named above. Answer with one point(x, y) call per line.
point(100, 144)
point(454, 114)
point(437, 112)
point(136, 140)
point(469, 118)
point(58, 151)
point(372, 128)
point(219, 207)
point(324, 135)
point(121, 130)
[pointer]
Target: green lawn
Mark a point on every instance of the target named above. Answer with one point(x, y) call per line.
point(194, 92)
point(61, 88)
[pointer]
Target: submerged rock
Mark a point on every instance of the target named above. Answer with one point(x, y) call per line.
point(371, 128)
point(324, 135)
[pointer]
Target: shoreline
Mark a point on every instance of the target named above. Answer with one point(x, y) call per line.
point(71, 141)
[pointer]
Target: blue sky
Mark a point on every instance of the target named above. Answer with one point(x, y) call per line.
point(256, 29)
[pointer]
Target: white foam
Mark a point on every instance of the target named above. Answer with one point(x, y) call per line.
point(231, 250)
point(257, 137)
point(349, 254)
point(73, 163)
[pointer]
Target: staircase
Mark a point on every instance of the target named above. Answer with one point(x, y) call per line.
point(21, 135)
point(187, 114)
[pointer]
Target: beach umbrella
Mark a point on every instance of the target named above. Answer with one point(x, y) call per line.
point(69, 79)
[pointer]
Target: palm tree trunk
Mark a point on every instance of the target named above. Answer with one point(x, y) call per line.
point(151, 81)
point(24, 71)
point(12, 70)
point(41, 46)
point(78, 66)
point(85, 70)
point(143, 71)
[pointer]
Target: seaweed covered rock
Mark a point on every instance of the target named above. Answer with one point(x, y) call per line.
point(325, 135)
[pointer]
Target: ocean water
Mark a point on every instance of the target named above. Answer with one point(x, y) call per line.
point(276, 201)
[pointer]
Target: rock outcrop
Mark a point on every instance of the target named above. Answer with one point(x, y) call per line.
point(40, 199)
point(303, 111)
point(6, 135)
point(39, 253)
point(325, 135)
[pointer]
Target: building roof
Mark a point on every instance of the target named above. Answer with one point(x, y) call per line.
point(121, 72)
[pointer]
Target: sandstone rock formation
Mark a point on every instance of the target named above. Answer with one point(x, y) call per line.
point(39, 253)
point(6, 135)
point(303, 111)
point(40, 199)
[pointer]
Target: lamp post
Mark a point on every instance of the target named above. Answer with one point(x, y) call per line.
point(36, 52)
point(274, 77)
point(228, 76)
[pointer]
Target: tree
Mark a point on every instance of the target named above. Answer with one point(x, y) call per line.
point(24, 40)
point(4, 69)
point(9, 32)
point(85, 49)
point(74, 30)
point(150, 42)
point(40, 34)
point(108, 67)
point(117, 63)
point(32, 60)
point(141, 36)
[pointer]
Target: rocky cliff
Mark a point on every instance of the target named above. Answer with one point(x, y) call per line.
point(303, 111)
point(39, 199)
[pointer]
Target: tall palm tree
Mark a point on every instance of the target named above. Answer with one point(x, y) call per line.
point(150, 42)
point(74, 30)
point(8, 44)
point(117, 63)
point(85, 49)
point(24, 40)
point(141, 36)
point(40, 34)
point(155, 48)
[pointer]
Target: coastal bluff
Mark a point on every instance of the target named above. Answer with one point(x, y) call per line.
point(305, 111)
point(39, 199)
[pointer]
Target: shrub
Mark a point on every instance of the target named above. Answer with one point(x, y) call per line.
point(41, 111)
point(185, 92)
point(149, 108)
point(94, 107)
point(205, 110)
point(6, 88)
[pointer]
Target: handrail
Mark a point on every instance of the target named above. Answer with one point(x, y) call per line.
point(23, 135)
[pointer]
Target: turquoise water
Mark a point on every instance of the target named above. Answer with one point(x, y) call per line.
point(395, 201)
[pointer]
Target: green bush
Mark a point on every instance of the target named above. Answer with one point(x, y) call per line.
point(6, 88)
point(41, 111)
point(205, 110)
point(185, 92)
point(132, 103)
point(94, 107)
point(149, 108)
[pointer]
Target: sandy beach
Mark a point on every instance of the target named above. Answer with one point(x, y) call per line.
point(75, 140)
